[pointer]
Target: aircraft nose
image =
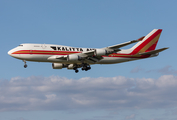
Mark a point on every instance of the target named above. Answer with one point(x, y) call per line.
point(9, 52)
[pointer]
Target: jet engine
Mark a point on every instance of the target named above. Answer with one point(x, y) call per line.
point(73, 57)
point(70, 66)
point(57, 65)
point(100, 52)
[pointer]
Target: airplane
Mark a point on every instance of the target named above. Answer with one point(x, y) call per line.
point(74, 57)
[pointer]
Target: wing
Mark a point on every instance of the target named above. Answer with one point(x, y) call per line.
point(88, 56)
point(93, 55)
point(125, 44)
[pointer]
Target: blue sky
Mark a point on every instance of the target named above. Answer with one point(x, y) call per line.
point(137, 90)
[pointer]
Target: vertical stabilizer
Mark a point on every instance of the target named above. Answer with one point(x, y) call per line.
point(148, 43)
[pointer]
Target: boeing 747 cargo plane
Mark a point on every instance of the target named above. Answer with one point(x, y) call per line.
point(73, 58)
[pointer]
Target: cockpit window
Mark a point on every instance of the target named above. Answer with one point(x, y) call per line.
point(53, 47)
point(20, 45)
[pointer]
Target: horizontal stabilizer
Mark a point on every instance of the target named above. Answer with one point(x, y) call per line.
point(153, 51)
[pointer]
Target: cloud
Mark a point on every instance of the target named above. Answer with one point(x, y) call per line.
point(58, 93)
point(136, 70)
point(165, 70)
point(132, 116)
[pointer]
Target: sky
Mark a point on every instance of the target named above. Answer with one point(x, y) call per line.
point(137, 90)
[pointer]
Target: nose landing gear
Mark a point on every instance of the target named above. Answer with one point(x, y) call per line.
point(25, 65)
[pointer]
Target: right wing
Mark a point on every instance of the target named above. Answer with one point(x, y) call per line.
point(125, 44)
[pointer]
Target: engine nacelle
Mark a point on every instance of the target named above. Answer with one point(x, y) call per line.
point(70, 66)
point(100, 52)
point(73, 57)
point(57, 65)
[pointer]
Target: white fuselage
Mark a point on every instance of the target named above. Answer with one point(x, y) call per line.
point(42, 53)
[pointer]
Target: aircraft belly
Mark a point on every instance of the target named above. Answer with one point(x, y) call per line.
point(44, 58)
point(63, 61)
point(38, 58)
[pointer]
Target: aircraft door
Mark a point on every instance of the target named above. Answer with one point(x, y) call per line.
point(43, 46)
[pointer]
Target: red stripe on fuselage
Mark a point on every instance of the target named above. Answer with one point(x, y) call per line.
point(45, 52)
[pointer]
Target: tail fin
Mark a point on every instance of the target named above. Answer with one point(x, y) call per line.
point(148, 43)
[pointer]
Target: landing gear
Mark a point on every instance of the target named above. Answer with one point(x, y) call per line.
point(86, 67)
point(83, 66)
point(25, 65)
point(76, 70)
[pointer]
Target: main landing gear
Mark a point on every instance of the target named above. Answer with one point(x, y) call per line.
point(76, 70)
point(84, 66)
point(25, 65)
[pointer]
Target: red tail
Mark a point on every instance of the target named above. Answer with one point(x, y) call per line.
point(148, 43)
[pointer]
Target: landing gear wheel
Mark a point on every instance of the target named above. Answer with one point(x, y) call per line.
point(25, 66)
point(89, 68)
point(76, 71)
point(86, 67)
